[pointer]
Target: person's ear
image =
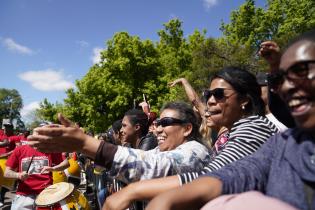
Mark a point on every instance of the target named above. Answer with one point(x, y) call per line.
point(188, 129)
point(137, 127)
point(244, 103)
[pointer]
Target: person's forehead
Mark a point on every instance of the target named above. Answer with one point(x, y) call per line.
point(169, 113)
point(300, 51)
point(219, 83)
point(125, 119)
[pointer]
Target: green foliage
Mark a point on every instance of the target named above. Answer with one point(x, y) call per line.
point(109, 89)
point(10, 106)
point(48, 111)
point(280, 21)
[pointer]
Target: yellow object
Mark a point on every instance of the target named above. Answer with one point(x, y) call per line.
point(5, 182)
point(74, 169)
point(59, 176)
point(98, 170)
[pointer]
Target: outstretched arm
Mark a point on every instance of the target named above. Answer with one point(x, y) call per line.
point(143, 190)
point(63, 138)
point(190, 196)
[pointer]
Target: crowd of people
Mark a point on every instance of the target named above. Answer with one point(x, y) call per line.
point(246, 143)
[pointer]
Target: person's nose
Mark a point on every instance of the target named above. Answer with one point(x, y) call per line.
point(159, 129)
point(286, 86)
point(211, 101)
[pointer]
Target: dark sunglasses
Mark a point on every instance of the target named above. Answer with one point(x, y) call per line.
point(217, 93)
point(297, 73)
point(167, 121)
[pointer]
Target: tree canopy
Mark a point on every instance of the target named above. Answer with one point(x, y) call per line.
point(10, 105)
point(131, 67)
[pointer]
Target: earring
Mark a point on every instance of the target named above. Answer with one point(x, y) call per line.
point(243, 107)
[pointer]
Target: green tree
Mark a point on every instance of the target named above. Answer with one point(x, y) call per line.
point(175, 58)
point(128, 67)
point(48, 111)
point(10, 105)
point(280, 21)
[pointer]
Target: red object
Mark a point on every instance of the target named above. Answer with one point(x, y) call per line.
point(36, 182)
point(152, 117)
point(11, 145)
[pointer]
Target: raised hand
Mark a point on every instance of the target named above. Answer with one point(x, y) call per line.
point(270, 51)
point(177, 81)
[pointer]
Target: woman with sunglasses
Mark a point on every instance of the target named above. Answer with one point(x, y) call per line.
point(234, 102)
point(283, 170)
point(179, 148)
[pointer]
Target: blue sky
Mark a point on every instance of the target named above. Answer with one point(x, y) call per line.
point(45, 45)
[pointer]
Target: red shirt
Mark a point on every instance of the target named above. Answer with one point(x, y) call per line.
point(21, 159)
point(11, 145)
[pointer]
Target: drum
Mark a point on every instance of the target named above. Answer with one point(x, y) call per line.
point(61, 196)
point(5, 182)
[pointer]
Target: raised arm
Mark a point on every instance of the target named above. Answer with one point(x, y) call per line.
point(191, 94)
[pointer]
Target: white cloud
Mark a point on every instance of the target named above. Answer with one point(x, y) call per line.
point(27, 111)
point(83, 43)
point(96, 57)
point(13, 46)
point(209, 3)
point(46, 80)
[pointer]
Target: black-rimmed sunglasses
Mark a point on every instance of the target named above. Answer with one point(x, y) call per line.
point(167, 121)
point(217, 93)
point(296, 73)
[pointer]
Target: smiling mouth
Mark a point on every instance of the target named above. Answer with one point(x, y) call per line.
point(299, 106)
point(161, 140)
point(214, 112)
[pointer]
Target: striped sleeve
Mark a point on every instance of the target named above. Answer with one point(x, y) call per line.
point(246, 136)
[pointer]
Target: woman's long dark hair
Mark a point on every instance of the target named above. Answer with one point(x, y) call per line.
point(245, 84)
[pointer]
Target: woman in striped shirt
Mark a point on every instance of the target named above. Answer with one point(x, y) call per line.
point(233, 101)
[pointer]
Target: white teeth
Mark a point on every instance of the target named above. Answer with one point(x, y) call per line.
point(160, 138)
point(294, 102)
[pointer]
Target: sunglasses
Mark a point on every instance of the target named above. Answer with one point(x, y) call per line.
point(217, 93)
point(167, 121)
point(297, 74)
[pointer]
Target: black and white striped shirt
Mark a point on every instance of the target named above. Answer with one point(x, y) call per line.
point(246, 136)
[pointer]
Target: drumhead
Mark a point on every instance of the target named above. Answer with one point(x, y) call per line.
point(54, 193)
